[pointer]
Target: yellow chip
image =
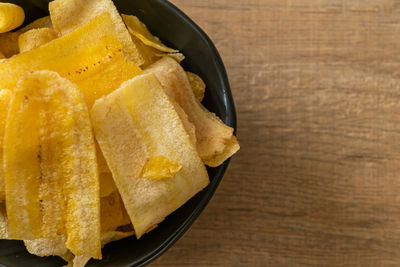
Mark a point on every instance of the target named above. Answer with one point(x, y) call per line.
point(90, 55)
point(3, 222)
point(215, 142)
point(11, 17)
point(68, 15)
point(107, 185)
point(52, 184)
point(9, 40)
point(138, 122)
point(197, 84)
point(5, 97)
point(44, 22)
point(35, 38)
point(2, 56)
point(43, 247)
point(160, 167)
point(113, 214)
point(140, 30)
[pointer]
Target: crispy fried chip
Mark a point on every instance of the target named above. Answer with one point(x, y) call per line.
point(11, 17)
point(197, 84)
point(9, 40)
point(35, 38)
point(43, 247)
point(44, 22)
point(68, 15)
point(3, 222)
point(2, 56)
point(160, 167)
point(107, 185)
point(138, 122)
point(140, 31)
point(52, 185)
point(89, 56)
point(113, 214)
point(5, 97)
point(215, 142)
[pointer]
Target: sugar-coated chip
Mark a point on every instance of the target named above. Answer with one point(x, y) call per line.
point(11, 17)
point(43, 247)
point(138, 122)
point(215, 142)
point(50, 168)
point(91, 55)
point(5, 97)
point(35, 38)
point(68, 15)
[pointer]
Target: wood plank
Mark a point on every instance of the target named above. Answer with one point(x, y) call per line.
point(317, 89)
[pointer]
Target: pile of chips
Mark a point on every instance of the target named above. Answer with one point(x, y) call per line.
point(102, 132)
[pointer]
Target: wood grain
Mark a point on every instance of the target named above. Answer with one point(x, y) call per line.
point(317, 181)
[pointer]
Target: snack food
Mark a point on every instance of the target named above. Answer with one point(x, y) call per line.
point(103, 131)
point(50, 169)
point(215, 140)
point(11, 17)
point(134, 125)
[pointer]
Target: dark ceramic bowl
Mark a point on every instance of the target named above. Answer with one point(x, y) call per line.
point(177, 30)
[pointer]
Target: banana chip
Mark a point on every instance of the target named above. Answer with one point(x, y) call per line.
point(3, 222)
point(135, 123)
point(52, 185)
point(9, 41)
point(35, 38)
point(215, 140)
point(11, 17)
point(5, 97)
point(68, 15)
point(113, 214)
point(140, 31)
point(197, 84)
point(43, 247)
point(90, 55)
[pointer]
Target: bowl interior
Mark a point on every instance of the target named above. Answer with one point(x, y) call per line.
point(178, 31)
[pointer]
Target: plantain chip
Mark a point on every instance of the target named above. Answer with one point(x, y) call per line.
point(135, 123)
point(3, 222)
point(140, 31)
point(113, 214)
point(35, 38)
point(215, 142)
point(52, 185)
point(5, 97)
point(197, 84)
point(9, 41)
point(2, 56)
point(90, 55)
point(160, 167)
point(68, 15)
point(43, 247)
point(11, 17)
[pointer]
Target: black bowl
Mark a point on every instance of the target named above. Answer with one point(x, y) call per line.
point(177, 30)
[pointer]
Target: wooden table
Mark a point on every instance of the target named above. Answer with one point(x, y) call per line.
point(317, 181)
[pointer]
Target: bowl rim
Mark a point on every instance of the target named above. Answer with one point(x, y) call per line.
point(230, 120)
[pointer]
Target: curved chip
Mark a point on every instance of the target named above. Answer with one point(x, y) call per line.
point(197, 84)
point(5, 97)
point(215, 142)
point(68, 15)
point(140, 31)
point(90, 55)
point(113, 214)
point(52, 185)
point(9, 41)
point(138, 122)
point(35, 38)
point(44, 247)
point(11, 17)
